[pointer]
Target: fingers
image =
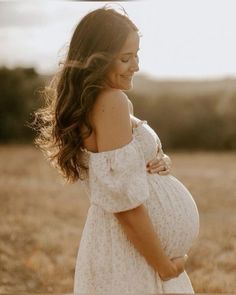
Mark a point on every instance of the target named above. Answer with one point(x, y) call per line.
point(160, 164)
point(180, 258)
point(161, 171)
point(156, 163)
point(180, 263)
point(164, 172)
point(159, 167)
point(178, 266)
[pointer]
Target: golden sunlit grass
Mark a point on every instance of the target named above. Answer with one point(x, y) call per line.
point(42, 220)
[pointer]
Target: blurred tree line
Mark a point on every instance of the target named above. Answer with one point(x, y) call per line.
point(185, 115)
point(188, 114)
point(18, 98)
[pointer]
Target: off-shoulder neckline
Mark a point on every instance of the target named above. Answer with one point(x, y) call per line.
point(134, 129)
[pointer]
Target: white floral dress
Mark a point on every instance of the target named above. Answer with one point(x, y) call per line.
point(107, 262)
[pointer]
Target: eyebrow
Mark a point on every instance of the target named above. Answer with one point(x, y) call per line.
point(128, 53)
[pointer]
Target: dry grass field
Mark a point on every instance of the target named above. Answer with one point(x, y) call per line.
point(42, 219)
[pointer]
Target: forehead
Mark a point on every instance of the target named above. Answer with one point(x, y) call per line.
point(131, 44)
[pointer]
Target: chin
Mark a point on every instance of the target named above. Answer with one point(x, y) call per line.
point(127, 87)
point(123, 87)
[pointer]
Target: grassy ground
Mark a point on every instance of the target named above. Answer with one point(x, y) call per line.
point(41, 221)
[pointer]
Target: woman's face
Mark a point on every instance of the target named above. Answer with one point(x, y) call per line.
point(125, 64)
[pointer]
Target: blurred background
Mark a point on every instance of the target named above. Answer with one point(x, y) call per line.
point(186, 91)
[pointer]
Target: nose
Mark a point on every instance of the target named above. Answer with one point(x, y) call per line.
point(135, 65)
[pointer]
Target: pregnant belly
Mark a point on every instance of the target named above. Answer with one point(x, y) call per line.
point(174, 214)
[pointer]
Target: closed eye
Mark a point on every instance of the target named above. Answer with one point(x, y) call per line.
point(126, 60)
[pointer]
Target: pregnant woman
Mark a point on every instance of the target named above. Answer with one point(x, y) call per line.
point(140, 225)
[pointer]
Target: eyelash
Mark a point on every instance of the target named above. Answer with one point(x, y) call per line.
point(128, 59)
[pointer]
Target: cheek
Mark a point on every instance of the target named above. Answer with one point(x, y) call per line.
point(120, 68)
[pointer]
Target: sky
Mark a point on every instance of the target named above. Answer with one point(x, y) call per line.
point(180, 39)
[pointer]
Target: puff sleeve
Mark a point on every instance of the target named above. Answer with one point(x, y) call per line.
point(118, 178)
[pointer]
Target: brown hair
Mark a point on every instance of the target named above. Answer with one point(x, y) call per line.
point(72, 92)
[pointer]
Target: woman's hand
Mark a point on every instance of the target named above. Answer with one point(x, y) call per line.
point(161, 164)
point(178, 265)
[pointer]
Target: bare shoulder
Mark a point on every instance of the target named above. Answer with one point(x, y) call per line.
point(112, 123)
point(110, 98)
point(131, 108)
point(110, 103)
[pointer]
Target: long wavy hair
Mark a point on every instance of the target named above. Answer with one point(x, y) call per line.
point(72, 92)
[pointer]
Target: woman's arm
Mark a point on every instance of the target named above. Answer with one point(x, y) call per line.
point(139, 230)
